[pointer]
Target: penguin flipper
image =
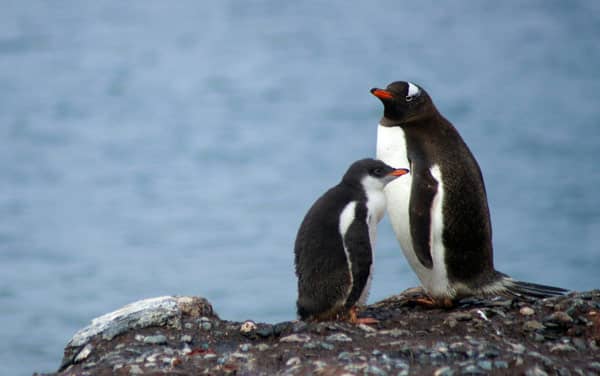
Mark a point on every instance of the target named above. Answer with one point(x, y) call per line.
point(423, 191)
point(358, 247)
point(534, 290)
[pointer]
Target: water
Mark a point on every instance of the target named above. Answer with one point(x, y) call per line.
point(155, 148)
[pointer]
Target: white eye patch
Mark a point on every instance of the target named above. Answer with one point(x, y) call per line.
point(412, 90)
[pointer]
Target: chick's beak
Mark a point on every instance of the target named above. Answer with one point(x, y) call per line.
point(399, 172)
point(382, 94)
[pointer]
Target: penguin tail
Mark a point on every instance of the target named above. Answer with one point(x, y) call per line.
point(532, 290)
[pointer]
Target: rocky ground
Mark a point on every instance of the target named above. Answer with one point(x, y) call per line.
point(499, 336)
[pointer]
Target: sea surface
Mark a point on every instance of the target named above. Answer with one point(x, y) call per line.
point(151, 147)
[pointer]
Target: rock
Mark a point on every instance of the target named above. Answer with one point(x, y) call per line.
point(339, 337)
point(443, 371)
point(526, 311)
point(535, 371)
point(532, 325)
point(407, 340)
point(158, 339)
point(296, 338)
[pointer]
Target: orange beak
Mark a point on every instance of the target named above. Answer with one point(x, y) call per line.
point(382, 94)
point(399, 172)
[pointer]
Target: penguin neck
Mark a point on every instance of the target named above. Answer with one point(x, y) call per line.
point(431, 115)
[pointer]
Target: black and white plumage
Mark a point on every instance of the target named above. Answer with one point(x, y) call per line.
point(439, 211)
point(335, 243)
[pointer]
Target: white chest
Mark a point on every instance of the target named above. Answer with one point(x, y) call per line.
point(391, 148)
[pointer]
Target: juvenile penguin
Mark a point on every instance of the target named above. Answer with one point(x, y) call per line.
point(439, 211)
point(335, 243)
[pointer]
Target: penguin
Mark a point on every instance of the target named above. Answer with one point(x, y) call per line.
point(335, 243)
point(439, 212)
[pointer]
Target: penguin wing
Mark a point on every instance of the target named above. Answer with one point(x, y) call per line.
point(358, 247)
point(423, 191)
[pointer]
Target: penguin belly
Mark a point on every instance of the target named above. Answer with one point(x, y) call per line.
point(392, 149)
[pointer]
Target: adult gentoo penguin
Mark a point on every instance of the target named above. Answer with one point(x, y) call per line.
point(335, 243)
point(439, 211)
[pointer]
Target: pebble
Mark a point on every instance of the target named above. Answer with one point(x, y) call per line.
point(535, 371)
point(367, 328)
point(262, 347)
point(209, 356)
point(344, 355)
point(186, 338)
point(562, 347)
point(245, 347)
point(562, 371)
point(461, 316)
point(293, 361)
point(395, 332)
point(339, 337)
point(327, 346)
point(500, 364)
point(188, 325)
point(526, 311)
point(579, 343)
point(156, 339)
point(84, 353)
point(532, 325)
point(595, 366)
point(374, 370)
point(310, 345)
point(485, 365)
point(135, 370)
point(296, 338)
point(205, 326)
point(547, 361)
point(561, 318)
point(248, 326)
point(443, 371)
point(472, 370)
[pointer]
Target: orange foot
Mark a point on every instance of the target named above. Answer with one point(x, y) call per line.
point(430, 302)
point(354, 319)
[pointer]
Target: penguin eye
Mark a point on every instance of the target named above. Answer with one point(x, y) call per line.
point(409, 98)
point(378, 171)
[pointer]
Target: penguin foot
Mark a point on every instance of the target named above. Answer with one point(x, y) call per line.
point(354, 319)
point(418, 296)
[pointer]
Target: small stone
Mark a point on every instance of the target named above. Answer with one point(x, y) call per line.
point(209, 356)
point(396, 332)
point(188, 325)
point(451, 322)
point(374, 370)
point(139, 337)
point(319, 365)
point(262, 347)
point(158, 339)
point(530, 326)
point(500, 364)
point(245, 347)
point(299, 326)
point(327, 346)
point(561, 318)
point(472, 370)
point(247, 326)
point(344, 355)
point(186, 338)
point(135, 370)
point(339, 337)
point(295, 338)
point(375, 352)
point(538, 337)
point(462, 316)
point(367, 328)
point(206, 326)
point(84, 353)
point(526, 311)
point(535, 371)
point(562, 347)
point(293, 361)
point(485, 365)
point(310, 345)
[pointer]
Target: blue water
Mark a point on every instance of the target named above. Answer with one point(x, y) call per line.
point(151, 148)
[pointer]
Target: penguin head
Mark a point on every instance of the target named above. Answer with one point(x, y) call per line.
point(371, 174)
point(403, 102)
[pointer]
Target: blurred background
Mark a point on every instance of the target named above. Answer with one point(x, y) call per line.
point(152, 148)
